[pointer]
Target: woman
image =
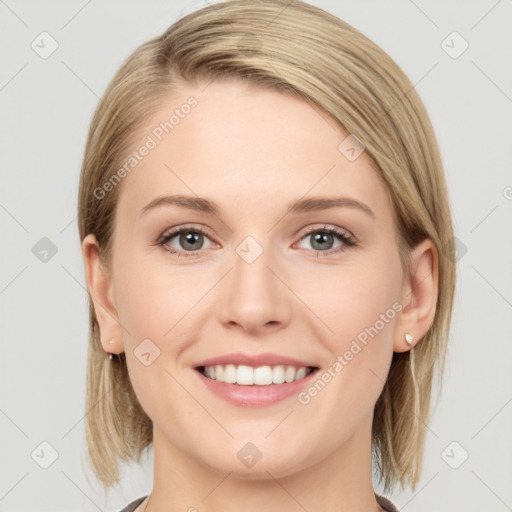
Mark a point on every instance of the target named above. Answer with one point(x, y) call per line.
point(268, 249)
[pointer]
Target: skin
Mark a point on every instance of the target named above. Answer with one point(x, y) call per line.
point(252, 151)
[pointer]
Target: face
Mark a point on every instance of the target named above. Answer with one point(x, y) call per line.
point(273, 258)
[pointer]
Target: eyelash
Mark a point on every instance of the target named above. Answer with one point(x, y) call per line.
point(347, 240)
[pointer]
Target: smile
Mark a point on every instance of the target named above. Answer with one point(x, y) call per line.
point(255, 376)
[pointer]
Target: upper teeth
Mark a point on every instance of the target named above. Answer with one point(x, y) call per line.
point(259, 376)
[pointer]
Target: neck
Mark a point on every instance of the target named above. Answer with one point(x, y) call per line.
point(339, 482)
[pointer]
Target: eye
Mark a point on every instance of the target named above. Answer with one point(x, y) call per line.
point(328, 240)
point(185, 241)
point(190, 241)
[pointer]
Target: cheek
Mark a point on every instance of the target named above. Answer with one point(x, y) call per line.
point(152, 307)
point(152, 299)
point(360, 308)
point(351, 300)
point(156, 308)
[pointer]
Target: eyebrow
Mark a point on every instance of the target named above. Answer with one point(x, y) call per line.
point(201, 204)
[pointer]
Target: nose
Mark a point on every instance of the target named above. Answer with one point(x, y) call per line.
point(255, 300)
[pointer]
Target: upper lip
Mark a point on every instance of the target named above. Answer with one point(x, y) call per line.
point(254, 360)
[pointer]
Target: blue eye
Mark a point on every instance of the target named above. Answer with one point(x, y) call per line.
point(191, 241)
point(323, 239)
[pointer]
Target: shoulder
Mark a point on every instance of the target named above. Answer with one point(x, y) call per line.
point(385, 504)
point(133, 505)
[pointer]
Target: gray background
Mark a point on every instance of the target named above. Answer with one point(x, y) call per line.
point(46, 105)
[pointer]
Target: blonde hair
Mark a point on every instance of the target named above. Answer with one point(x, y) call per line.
point(301, 50)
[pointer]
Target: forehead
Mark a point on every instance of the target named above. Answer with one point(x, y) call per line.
point(241, 144)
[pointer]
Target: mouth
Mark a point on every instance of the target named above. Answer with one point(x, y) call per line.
point(265, 375)
point(254, 380)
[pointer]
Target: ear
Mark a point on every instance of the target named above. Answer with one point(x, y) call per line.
point(418, 297)
point(100, 287)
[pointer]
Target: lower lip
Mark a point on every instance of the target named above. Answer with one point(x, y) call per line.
point(255, 396)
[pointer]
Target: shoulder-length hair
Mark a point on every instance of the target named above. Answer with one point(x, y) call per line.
point(301, 50)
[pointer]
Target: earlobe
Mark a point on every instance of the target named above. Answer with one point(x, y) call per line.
point(419, 297)
point(100, 288)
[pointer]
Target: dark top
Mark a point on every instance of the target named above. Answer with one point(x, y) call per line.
point(133, 505)
point(383, 502)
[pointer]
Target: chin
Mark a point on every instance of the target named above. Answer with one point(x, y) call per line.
point(258, 466)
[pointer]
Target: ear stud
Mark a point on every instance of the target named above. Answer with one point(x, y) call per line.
point(408, 338)
point(110, 354)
